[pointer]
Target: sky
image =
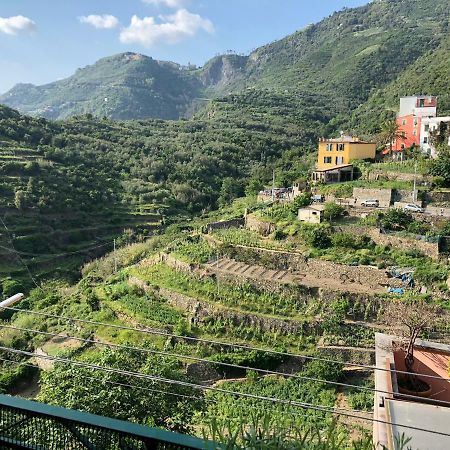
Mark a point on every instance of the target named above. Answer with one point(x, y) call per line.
point(45, 40)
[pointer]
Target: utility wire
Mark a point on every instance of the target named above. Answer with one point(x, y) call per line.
point(55, 255)
point(218, 343)
point(220, 363)
point(273, 400)
point(18, 255)
point(190, 397)
point(141, 388)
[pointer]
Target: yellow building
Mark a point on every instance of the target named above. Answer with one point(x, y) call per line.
point(335, 156)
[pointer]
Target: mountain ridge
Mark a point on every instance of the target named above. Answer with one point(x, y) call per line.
point(345, 58)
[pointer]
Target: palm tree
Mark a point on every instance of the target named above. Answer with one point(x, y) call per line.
point(390, 133)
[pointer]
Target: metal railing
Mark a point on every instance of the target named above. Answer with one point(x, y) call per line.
point(30, 425)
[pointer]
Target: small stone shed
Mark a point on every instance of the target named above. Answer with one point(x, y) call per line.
point(311, 214)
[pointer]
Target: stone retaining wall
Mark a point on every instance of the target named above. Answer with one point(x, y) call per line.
point(225, 224)
point(253, 223)
point(366, 275)
point(394, 240)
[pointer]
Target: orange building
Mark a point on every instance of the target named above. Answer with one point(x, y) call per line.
point(409, 120)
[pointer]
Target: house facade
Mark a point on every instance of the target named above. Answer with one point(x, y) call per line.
point(335, 156)
point(416, 115)
point(311, 214)
point(430, 126)
point(343, 150)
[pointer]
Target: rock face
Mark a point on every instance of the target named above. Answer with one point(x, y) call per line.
point(222, 70)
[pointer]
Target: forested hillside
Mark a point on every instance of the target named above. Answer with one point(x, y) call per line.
point(83, 181)
point(75, 185)
point(429, 75)
point(343, 60)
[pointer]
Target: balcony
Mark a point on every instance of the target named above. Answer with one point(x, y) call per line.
point(30, 425)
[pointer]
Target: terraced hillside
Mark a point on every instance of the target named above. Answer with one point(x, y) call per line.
point(187, 306)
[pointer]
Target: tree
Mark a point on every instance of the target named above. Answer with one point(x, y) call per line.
point(441, 165)
point(390, 133)
point(333, 211)
point(20, 199)
point(254, 186)
point(301, 201)
point(230, 190)
point(396, 219)
point(412, 316)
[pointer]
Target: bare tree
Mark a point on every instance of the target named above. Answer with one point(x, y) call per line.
point(412, 316)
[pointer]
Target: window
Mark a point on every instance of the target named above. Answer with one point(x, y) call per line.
point(415, 122)
point(415, 132)
point(427, 128)
point(327, 160)
point(425, 140)
point(329, 147)
point(421, 103)
point(404, 134)
point(339, 160)
point(404, 122)
point(403, 147)
point(341, 147)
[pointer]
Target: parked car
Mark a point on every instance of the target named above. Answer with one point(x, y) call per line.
point(411, 207)
point(318, 198)
point(370, 203)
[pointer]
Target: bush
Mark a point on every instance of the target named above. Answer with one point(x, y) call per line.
point(333, 211)
point(396, 219)
point(300, 202)
point(417, 227)
point(316, 236)
point(439, 181)
point(344, 240)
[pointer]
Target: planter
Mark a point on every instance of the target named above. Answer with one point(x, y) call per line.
point(407, 390)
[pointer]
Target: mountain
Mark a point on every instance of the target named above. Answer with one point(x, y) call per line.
point(340, 61)
point(123, 86)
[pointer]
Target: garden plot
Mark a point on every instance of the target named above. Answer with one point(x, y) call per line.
point(309, 278)
point(240, 269)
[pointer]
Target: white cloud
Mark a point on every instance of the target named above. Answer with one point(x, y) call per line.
point(16, 24)
point(105, 21)
point(173, 29)
point(175, 4)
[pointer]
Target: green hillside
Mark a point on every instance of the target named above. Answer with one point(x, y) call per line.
point(124, 86)
point(75, 185)
point(429, 75)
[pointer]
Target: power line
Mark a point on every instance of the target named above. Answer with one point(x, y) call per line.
point(190, 397)
point(187, 397)
point(218, 343)
point(273, 400)
point(56, 255)
point(19, 257)
point(223, 364)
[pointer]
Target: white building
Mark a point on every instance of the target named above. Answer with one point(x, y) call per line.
point(429, 125)
point(418, 106)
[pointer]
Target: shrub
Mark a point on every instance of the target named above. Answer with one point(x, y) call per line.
point(316, 236)
point(301, 201)
point(333, 211)
point(396, 219)
point(417, 227)
point(439, 181)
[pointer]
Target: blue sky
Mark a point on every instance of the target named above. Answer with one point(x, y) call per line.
point(45, 40)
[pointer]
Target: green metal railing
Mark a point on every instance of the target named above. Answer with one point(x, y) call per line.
point(31, 425)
